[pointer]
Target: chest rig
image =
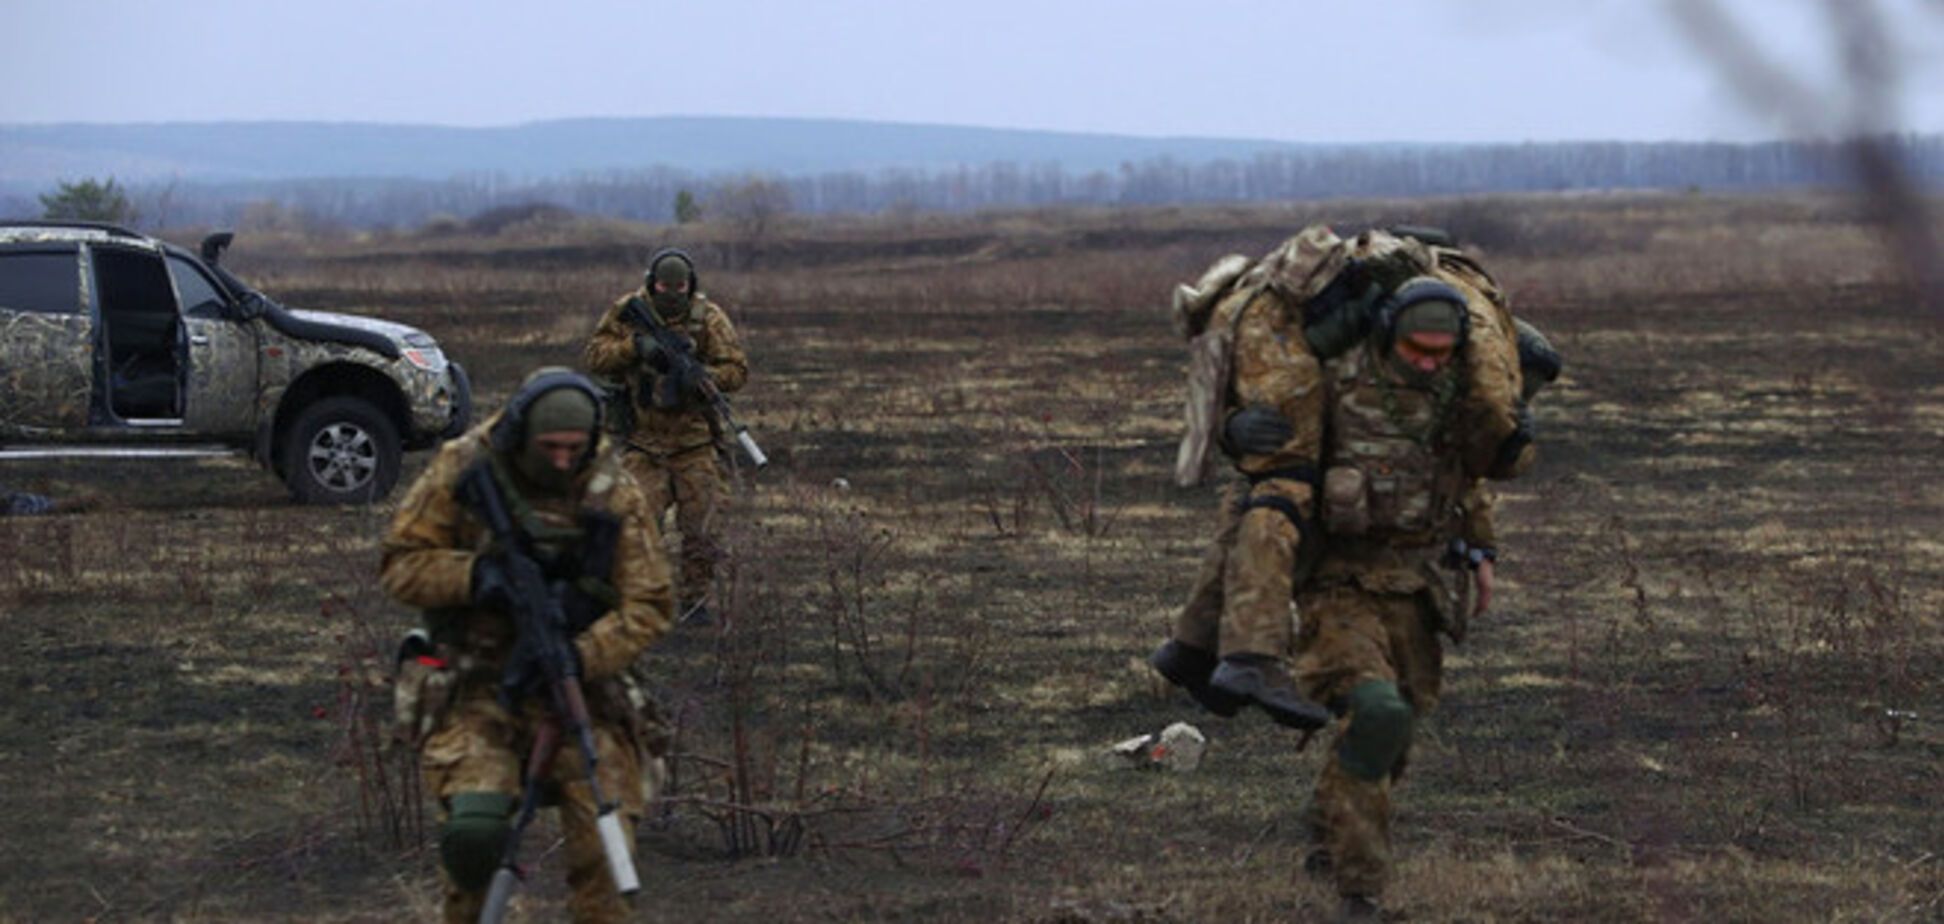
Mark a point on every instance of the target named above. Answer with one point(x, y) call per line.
point(1388, 474)
point(574, 541)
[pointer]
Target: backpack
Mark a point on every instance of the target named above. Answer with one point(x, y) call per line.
point(1205, 314)
point(1336, 282)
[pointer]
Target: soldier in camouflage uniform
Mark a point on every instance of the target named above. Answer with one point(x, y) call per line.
point(1413, 424)
point(1232, 638)
point(672, 445)
point(544, 455)
point(1364, 417)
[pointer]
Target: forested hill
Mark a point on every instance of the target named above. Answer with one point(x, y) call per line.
point(229, 151)
point(361, 174)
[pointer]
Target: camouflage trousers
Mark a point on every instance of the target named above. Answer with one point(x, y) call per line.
point(1351, 635)
point(691, 481)
point(1240, 603)
point(480, 747)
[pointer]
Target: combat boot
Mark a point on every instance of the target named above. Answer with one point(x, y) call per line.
point(1188, 667)
point(1261, 679)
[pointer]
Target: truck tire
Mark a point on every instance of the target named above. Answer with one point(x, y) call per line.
point(341, 450)
point(461, 403)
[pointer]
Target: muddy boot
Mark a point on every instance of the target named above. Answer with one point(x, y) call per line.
point(1261, 679)
point(1188, 667)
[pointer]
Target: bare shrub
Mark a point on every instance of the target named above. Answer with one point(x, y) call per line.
point(391, 801)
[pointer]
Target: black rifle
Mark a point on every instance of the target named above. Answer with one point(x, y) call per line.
point(542, 651)
point(683, 365)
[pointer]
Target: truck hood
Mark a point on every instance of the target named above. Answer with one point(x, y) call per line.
point(401, 334)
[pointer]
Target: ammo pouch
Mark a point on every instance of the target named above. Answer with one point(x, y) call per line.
point(1346, 501)
point(1357, 501)
point(421, 690)
point(658, 392)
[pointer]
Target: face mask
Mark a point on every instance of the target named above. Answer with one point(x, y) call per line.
point(671, 305)
point(534, 466)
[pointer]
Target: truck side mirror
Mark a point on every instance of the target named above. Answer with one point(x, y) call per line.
point(214, 245)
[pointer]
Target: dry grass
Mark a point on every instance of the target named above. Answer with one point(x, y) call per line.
point(1711, 691)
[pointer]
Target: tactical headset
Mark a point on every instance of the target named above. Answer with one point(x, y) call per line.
point(510, 431)
point(1413, 291)
point(695, 282)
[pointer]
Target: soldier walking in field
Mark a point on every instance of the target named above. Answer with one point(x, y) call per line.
point(672, 441)
point(565, 520)
point(1378, 382)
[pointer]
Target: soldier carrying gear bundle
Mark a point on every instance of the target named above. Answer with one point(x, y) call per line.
point(533, 555)
point(674, 354)
point(1365, 388)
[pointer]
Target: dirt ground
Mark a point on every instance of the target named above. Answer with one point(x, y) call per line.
point(1712, 688)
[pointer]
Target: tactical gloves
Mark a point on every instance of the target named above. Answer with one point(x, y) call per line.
point(1256, 431)
point(656, 357)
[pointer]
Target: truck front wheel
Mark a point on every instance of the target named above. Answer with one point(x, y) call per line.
point(341, 450)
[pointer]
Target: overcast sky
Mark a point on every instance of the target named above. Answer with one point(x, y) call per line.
point(1329, 71)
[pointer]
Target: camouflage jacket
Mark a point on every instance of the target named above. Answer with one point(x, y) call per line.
point(430, 548)
point(1275, 369)
point(611, 354)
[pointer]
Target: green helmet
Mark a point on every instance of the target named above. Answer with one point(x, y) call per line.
point(1424, 304)
point(551, 400)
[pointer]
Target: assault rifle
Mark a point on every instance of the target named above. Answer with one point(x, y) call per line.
point(682, 363)
point(542, 652)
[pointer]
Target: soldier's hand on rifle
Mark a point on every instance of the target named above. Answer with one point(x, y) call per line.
point(1256, 430)
point(688, 378)
point(496, 577)
point(650, 351)
point(658, 357)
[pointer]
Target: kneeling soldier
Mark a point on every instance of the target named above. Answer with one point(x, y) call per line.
point(584, 532)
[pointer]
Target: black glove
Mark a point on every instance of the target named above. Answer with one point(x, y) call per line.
point(656, 356)
point(1256, 430)
point(651, 353)
point(494, 577)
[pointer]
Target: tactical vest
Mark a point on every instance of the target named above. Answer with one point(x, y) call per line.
point(1389, 476)
point(575, 542)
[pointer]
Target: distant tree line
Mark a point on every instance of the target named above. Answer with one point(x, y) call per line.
point(655, 194)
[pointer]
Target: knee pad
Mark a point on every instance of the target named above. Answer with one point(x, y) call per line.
point(1379, 732)
point(475, 836)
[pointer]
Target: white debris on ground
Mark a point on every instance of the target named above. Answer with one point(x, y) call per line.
point(1179, 748)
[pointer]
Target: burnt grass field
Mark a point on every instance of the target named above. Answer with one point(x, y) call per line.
point(1712, 687)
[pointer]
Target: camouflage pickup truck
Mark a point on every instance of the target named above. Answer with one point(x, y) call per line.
point(117, 344)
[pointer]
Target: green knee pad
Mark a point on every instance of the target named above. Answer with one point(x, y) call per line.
point(474, 836)
point(1380, 730)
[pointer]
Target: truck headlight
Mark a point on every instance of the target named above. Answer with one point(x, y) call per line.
point(426, 358)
